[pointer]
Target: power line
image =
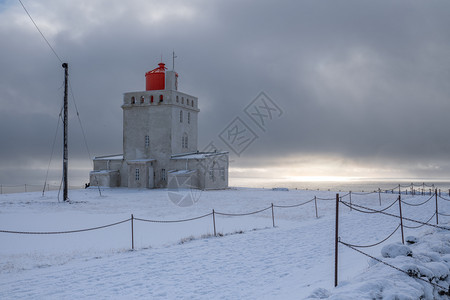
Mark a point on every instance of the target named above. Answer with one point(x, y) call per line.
point(43, 36)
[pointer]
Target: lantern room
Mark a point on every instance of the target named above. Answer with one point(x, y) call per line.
point(155, 79)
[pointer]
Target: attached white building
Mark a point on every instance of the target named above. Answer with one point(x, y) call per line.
point(160, 130)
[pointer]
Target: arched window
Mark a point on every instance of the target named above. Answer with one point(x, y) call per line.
point(177, 99)
point(142, 99)
point(187, 101)
point(151, 99)
point(161, 98)
point(182, 100)
point(133, 100)
point(189, 117)
point(181, 116)
point(192, 103)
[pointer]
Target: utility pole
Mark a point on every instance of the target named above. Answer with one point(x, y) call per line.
point(65, 152)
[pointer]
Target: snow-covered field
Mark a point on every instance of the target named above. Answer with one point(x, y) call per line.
point(249, 258)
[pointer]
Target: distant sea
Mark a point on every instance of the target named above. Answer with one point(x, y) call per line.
point(366, 185)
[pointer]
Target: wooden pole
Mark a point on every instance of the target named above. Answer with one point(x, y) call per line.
point(379, 195)
point(336, 243)
point(401, 217)
point(65, 123)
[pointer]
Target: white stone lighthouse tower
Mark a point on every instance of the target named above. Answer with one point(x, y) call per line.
point(160, 127)
point(158, 123)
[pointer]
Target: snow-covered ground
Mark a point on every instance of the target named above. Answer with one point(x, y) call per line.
point(248, 259)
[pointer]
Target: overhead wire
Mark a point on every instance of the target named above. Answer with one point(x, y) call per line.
point(42, 34)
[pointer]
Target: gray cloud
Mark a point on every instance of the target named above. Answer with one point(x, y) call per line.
point(367, 82)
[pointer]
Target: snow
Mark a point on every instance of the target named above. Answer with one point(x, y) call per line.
point(199, 155)
point(248, 259)
point(110, 157)
point(394, 250)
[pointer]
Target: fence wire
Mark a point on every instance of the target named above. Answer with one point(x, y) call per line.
point(64, 232)
point(443, 289)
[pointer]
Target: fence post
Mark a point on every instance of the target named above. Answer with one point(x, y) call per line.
point(132, 232)
point(379, 195)
point(25, 187)
point(437, 212)
point(399, 191)
point(273, 217)
point(336, 243)
point(350, 200)
point(401, 217)
point(1, 189)
point(214, 222)
point(315, 204)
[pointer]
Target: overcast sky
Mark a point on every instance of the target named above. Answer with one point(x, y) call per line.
point(362, 87)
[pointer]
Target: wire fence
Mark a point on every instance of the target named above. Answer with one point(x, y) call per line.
point(25, 188)
point(339, 200)
point(368, 210)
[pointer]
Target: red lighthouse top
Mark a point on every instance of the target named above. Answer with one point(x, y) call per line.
point(155, 79)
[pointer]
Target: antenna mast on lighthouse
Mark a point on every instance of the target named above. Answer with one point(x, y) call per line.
point(173, 60)
point(65, 152)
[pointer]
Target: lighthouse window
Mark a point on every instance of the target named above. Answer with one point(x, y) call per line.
point(177, 99)
point(160, 98)
point(136, 175)
point(142, 99)
point(147, 141)
point(181, 116)
point(184, 141)
point(222, 173)
point(133, 100)
point(189, 117)
point(151, 99)
point(211, 173)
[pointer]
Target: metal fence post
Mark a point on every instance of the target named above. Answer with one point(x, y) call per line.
point(401, 217)
point(437, 212)
point(132, 232)
point(336, 243)
point(214, 222)
point(273, 217)
point(315, 204)
point(350, 200)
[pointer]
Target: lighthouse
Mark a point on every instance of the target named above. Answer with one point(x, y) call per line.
point(160, 141)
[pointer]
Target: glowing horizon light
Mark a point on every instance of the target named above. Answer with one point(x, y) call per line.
point(320, 178)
